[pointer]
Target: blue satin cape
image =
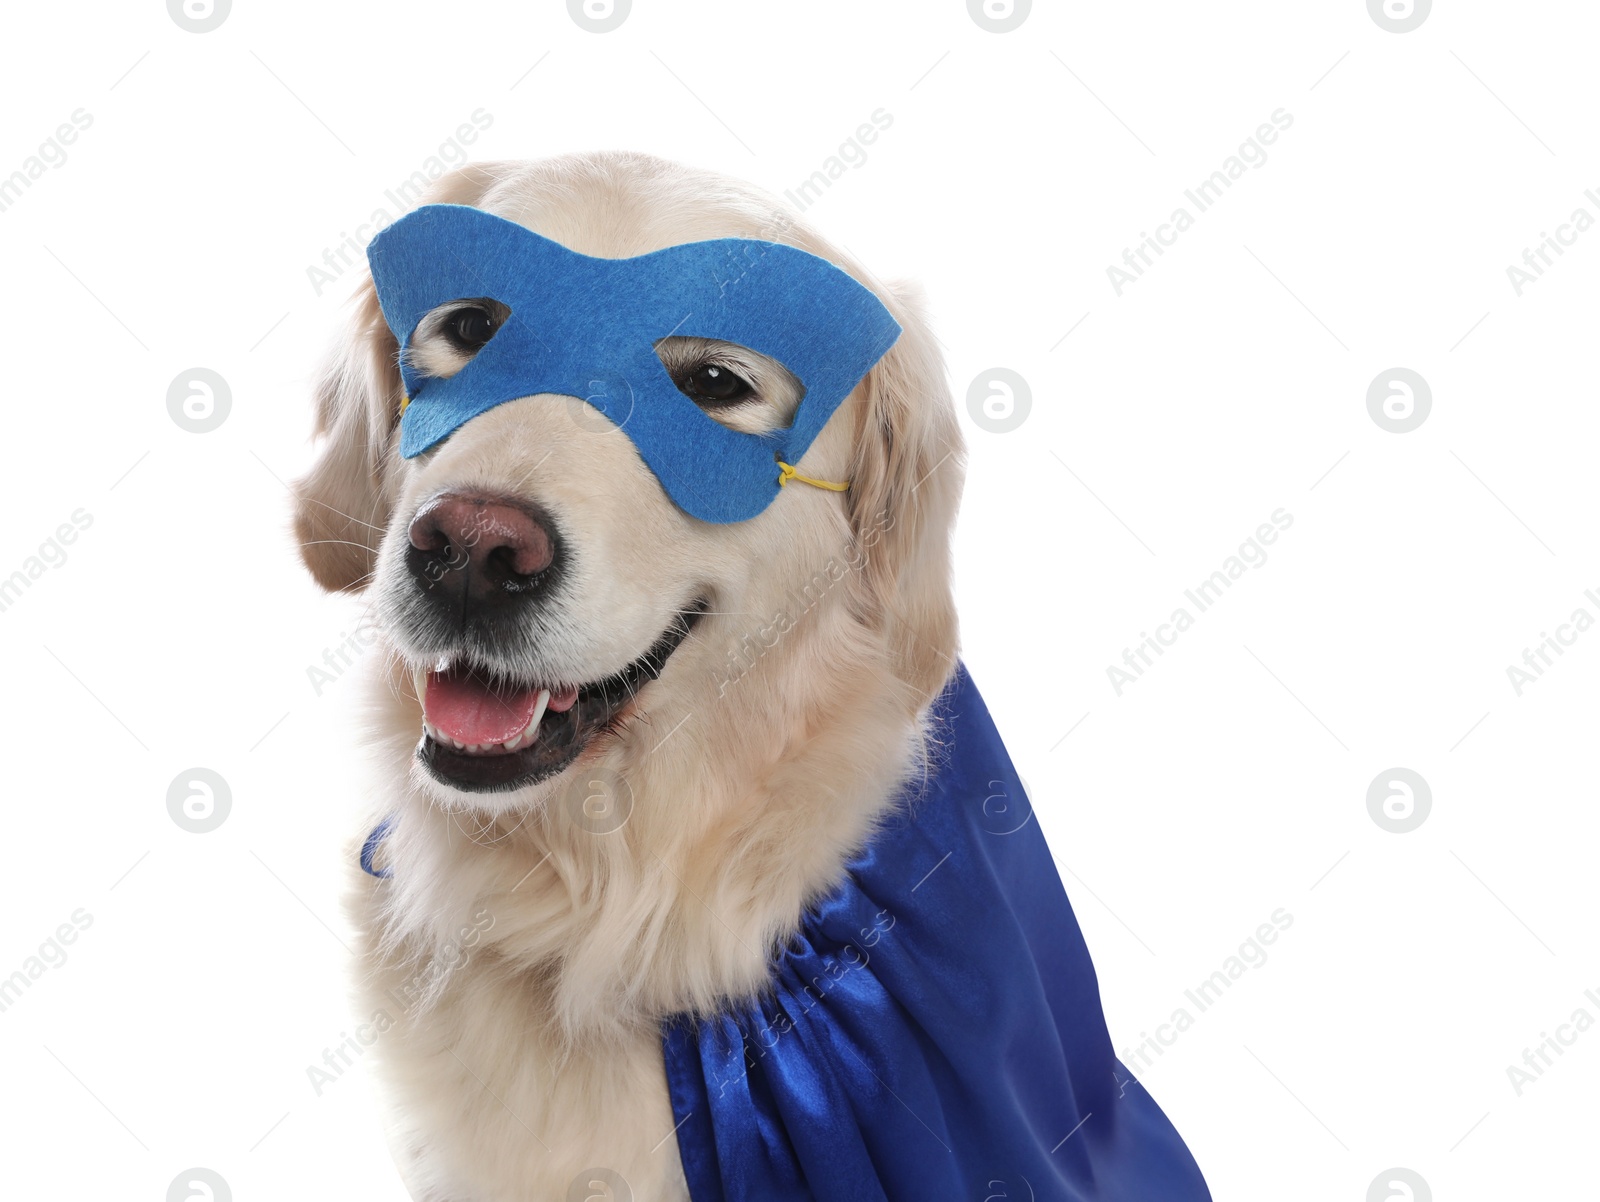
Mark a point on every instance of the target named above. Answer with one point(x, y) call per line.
point(933, 1030)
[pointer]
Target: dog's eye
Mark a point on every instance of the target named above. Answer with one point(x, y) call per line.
point(715, 385)
point(470, 328)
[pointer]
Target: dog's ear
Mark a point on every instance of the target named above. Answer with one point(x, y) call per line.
point(905, 486)
point(343, 503)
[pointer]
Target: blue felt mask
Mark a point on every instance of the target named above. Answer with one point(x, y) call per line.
point(587, 328)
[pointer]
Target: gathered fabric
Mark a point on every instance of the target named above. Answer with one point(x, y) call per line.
point(933, 1030)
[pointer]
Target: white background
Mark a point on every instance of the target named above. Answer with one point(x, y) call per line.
point(1230, 381)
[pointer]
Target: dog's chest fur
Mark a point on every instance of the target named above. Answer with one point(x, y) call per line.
point(525, 966)
point(492, 1108)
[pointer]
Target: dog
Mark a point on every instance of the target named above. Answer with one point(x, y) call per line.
point(640, 738)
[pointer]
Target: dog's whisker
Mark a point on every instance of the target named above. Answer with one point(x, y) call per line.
point(340, 542)
point(527, 475)
point(350, 517)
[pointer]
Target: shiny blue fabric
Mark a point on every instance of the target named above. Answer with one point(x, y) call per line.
point(586, 327)
point(933, 1031)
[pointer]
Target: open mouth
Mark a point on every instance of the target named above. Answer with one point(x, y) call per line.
point(485, 733)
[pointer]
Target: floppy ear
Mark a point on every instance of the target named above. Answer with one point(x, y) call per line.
point(343, 503)
point(905, 486)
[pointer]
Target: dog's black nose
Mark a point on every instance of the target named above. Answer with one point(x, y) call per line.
point(491, 551)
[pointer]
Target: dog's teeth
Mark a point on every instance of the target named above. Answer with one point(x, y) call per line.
point(525, 739)
point(529, 732)
point(538, 716)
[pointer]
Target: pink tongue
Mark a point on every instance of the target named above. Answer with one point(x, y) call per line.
point(471, 710)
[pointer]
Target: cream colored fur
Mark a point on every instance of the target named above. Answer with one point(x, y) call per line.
point(523, 954)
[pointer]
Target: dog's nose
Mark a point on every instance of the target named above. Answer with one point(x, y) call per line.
point(490, 549)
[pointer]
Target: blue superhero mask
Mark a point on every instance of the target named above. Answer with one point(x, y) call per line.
point(587, 328)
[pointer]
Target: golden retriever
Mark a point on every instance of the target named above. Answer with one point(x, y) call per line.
point(741, 710)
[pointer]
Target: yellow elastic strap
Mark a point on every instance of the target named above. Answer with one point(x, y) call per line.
point(404, 401)
point(788, 472)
